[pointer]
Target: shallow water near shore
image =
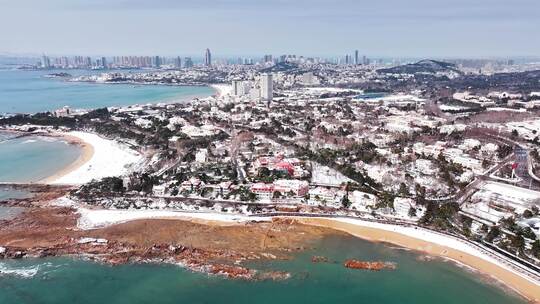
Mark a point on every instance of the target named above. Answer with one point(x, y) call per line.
point(32, 158)
point(6, 194)
point(62, 280)
point(7, 213)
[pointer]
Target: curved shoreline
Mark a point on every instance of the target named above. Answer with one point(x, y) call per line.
point(517, 283)
point(87, 152)
point(109, 158)
point(439, 246)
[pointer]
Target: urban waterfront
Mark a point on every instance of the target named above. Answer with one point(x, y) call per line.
point(24, 91)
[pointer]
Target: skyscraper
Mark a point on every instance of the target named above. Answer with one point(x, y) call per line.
point(157, 61)
point(104, 62)
point(178, 62)
point(208, 58)
point(267, 87)
point(356, 58)
point(45, 62)
point(267, 58)
point(188, 63)
point(88, 62)
point(236, 87)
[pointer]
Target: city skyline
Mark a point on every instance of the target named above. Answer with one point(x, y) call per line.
point(320, 28)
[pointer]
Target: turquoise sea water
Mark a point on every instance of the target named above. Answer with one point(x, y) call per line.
point(29, 92)
point(61, 280)
point(7, 193)
point(31, 158)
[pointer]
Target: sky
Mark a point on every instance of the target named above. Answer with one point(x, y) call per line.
point(386, 28)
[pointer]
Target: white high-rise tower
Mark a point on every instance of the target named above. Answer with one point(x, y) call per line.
point(267, 87)
point(207, 58)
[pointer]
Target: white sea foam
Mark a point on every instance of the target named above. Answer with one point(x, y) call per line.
point(48, 139)
point(28, 271)
point(23, 272)
point(29, 141)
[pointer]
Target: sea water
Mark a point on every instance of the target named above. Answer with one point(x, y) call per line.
point(7, 213)
point(33, 158)
point(30, 92)
point(63, 281)
point(30, 159)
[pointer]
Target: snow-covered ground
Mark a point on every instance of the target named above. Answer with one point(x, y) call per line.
point(325, 175)
point(91, 219)
point(445, 107)
point(509, 199)
point(515, 194)
point(222, 89)
point(500, 109)
point(110, 158)
point(396, 98)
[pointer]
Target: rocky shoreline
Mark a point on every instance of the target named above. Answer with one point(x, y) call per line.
point(115, 253)
point(47, 231)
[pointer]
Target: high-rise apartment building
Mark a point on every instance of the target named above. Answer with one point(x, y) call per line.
point(208, 58)
point(267, 87)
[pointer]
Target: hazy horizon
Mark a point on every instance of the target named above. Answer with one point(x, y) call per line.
point(385, 28)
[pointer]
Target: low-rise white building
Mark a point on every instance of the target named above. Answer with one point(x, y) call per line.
point(201, 156)
point(362, 201)
point(402, 206)
point(325, 196)
point(159, 190)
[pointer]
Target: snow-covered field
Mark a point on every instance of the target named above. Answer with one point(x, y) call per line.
point(110, 158)
point(499, 109)
point(91, 219)
point(445, 107)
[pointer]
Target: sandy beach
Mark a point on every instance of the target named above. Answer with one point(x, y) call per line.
point(146, 227)
point(99, 158)
point(463, 255)
point(87, 152)
point(407, 237)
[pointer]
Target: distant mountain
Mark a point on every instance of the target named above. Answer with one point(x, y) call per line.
point(423, 66)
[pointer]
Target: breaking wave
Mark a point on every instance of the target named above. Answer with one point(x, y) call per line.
point(24, 271)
